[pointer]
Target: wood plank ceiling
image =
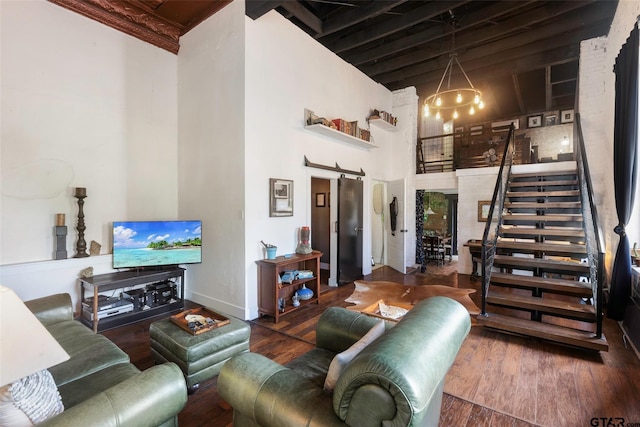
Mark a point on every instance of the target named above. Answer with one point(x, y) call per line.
point(523, 55)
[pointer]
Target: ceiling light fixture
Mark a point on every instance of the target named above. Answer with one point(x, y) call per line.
point(429, 210)
point(457, 98)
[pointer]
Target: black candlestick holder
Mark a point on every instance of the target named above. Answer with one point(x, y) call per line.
point(81, 244)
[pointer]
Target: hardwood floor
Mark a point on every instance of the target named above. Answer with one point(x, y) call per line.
point(496, 380)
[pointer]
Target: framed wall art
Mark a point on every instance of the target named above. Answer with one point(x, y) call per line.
point(321, 201)
point(534, 121)
point(483, 210)
point(566, 116)
point(281, 197)
point(475, 130)
point(551, 119)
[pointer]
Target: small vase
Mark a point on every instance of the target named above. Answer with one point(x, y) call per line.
point(304, 293)
point(303, 246)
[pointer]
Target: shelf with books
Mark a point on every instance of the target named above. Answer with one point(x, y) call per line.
point(383, 124)
point(341, 136)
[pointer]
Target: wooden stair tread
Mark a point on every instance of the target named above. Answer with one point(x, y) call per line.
point(548, 248)
point(559, 232)
point(561, 286)
point(539, 206)
point(561, 308)
point(548, 264)
point(559, 193)
point(543, 183)
point(550, 217)
point(544, 331)
point(515, 176)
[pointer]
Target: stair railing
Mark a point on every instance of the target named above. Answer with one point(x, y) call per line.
point(591, 225)
point(494, 219)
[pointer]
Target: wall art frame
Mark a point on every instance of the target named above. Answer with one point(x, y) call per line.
point(475, 130)
point(321, 200)
point(566, 116)
point(534, 121)
point(551, 119)
point(280, 197)
point(483, 210)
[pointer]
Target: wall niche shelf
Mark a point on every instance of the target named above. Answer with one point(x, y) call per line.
point(340, 136)
point(383, 124)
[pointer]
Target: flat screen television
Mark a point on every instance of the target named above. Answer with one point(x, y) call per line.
point(156, 243)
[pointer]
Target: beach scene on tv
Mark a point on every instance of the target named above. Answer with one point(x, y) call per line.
point(155, 243)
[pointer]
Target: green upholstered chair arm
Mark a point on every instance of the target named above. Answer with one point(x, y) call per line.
point(338, 329)
point(266, 393)
point(147, 399)
point(397, 380)
point(405, 367)
point(52, 308)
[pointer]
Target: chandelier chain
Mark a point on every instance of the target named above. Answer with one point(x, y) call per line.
point(444, 100)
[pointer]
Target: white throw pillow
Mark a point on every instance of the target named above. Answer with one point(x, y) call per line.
point(341, 360)
point(30, 400)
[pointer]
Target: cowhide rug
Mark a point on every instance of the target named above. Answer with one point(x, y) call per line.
point(368, 293)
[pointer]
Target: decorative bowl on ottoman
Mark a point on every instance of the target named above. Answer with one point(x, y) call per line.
point(200, 356)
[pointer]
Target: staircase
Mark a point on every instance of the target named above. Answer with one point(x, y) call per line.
point(539, 277)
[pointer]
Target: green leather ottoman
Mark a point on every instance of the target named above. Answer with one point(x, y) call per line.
point(199, 356)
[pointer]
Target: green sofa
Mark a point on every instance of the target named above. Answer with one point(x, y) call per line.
point(98, 384)
point(397, 380)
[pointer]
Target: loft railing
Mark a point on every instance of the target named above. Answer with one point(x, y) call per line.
point(494, 219)
point(435, 154)
point(465, 150)
point(593, 232)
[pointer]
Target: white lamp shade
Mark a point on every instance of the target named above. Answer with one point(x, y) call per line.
point(25, 344)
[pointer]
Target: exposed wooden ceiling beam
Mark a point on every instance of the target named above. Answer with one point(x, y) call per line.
point(428, 11)
point(304, 15)
point(484, 56)
point(483, 37)
point(356, 16)
point(505, 65)
point(254, 9)
point(357, 57)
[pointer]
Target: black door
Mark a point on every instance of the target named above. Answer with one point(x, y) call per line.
point(349, 230)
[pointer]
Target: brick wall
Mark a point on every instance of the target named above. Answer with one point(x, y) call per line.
point(596, 105)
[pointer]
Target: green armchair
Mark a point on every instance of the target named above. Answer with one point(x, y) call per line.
point(98, 384)
point(397, 380)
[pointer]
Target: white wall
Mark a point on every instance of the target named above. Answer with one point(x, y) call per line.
point(211, 145)
point(83, 105)
point(286, 72)
point(473, 185)
point(596, 106)
point(549, 139)
point(478, 184)
point(403, 159)
point(107, 119)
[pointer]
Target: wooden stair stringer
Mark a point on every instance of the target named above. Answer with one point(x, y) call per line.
point(545, 331)
point(556, 249)
point(546, 174)
point(542, 233)
point(553, 307)
point(557, 286)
